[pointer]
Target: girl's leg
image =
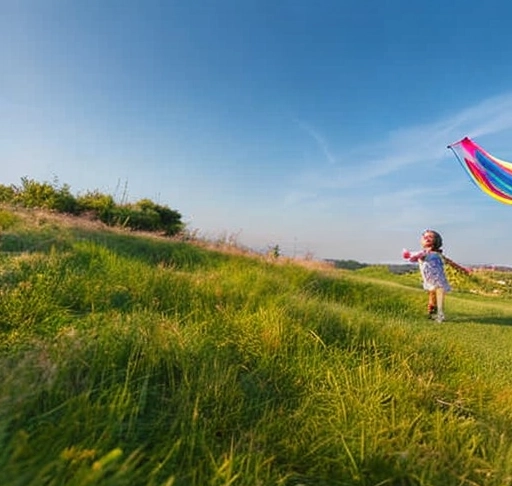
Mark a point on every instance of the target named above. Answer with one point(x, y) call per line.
point(432, 304)
point(440, 304)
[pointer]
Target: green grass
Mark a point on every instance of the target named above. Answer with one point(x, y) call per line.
point(134, 360)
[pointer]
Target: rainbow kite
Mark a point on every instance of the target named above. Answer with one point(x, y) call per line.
point(493, 176)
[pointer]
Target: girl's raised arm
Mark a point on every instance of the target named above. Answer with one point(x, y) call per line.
point(456, 265)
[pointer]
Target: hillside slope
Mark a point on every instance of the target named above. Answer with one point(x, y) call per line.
point(130, 359)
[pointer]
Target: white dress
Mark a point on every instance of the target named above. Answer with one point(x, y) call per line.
point(432, 271)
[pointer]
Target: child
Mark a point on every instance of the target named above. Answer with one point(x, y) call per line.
point(431, 263)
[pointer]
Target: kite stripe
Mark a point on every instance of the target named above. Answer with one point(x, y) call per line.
point(490, 174)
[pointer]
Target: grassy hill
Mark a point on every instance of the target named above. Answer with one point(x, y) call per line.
point(129, 359)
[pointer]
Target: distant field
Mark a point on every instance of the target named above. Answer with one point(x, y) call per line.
point(131, 359)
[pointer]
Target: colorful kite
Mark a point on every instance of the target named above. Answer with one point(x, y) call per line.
point(493, 176)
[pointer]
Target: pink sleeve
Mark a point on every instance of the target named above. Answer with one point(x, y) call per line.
point(414, 257)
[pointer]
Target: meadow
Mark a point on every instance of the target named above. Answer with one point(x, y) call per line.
point(132, 359)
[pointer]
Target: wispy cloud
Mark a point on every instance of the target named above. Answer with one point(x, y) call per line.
point(408, 148)
point(319, 139)
point(491, 116)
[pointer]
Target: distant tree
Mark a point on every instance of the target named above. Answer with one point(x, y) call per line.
point(347, 264)
point(274, 251)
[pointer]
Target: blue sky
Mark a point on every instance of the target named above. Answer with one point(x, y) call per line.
point(320, 126)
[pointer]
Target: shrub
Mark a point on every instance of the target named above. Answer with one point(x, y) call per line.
point(33, 194)
point(169, 220)
point(7, 194)
point(102, 205)
point(7, 219)
point(144, 215)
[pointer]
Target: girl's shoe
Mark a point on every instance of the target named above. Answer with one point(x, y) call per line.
point(440, 317)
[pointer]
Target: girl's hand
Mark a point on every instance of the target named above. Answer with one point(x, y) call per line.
point(406, 254)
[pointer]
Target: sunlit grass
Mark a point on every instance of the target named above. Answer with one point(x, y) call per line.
point(130, 360)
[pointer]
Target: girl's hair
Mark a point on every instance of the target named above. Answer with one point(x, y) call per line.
point(438, 241)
